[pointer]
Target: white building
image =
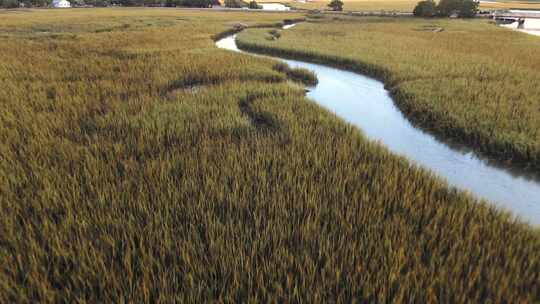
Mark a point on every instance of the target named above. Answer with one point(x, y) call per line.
point(61, 4)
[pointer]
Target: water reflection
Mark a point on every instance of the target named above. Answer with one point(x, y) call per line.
point(529, 26)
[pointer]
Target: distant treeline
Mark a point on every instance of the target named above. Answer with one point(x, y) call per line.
point(447, 8)
point(101, 3)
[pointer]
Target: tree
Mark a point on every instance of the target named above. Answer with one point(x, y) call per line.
point(9, 3)
point(41, 3)
point(336, 5)
point(76, 3)
point(131, 2)
point(197, 3)
point(172, 3)
point(467, 8)
point(426, 8)
point(235, 3)
point(446, 8)
point(97, 3)
point(253, 5)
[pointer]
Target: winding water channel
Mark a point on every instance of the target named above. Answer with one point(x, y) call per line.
point(363, 102)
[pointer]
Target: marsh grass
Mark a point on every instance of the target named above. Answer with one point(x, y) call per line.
point(301, 75)
point(120, 182)
point(470, 90)
point(355, 5)
point(398, 5)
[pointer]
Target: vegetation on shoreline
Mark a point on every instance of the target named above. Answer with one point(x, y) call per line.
point(466, 90)
point(139, 163)
point(356, 5)
point(303, 76)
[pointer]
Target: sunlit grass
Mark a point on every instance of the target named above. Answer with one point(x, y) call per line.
point(361, 5)
point(396, 5)
point(139, 163)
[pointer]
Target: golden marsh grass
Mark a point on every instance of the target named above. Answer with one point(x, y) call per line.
point(139, 163)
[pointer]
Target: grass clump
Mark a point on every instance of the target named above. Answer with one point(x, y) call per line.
point(301, 75)
point(459, 89)
point(117, 186)
point(273, 34)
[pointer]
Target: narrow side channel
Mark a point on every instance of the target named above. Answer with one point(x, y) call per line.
point(363, 102)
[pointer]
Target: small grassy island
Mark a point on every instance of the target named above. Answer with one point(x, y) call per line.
point(140, 163)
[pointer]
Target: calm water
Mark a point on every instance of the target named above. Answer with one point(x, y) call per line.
point(274, 7)
point(365, 103)
point(288, 26)
point(531, 25)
